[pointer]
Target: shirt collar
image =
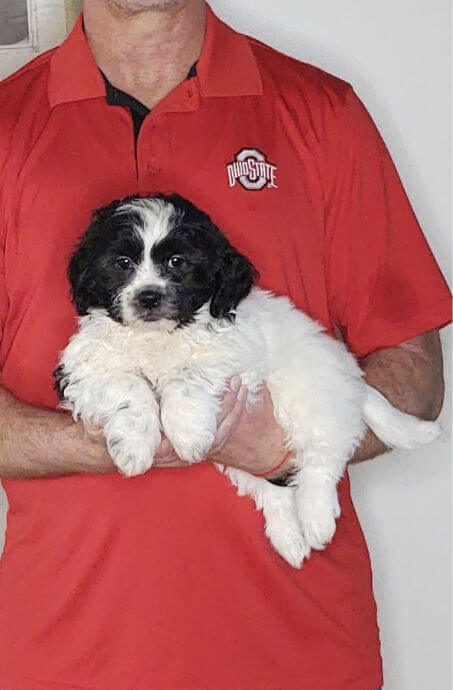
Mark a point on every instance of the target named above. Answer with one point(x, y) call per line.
point(226, 67)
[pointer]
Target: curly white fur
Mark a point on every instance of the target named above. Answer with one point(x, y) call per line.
point(136, 381)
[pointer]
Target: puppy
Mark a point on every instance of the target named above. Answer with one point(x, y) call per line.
point(168, 314)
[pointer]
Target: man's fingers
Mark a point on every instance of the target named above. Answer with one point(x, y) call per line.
point(164, 449)
point(165, 456)
point(229, 399)
point(230, 422)
point(170, 462)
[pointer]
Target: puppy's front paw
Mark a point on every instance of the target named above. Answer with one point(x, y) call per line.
point(190, 428)
point(317, 508)
point(132, 442)
point(131, 458)
point(191, 449)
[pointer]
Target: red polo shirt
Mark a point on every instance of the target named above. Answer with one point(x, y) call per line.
point(166, 581)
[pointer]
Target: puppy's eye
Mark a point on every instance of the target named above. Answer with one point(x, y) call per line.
point(176, 261)
point(124, 263)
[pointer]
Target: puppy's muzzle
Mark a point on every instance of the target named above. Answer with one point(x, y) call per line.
point(149, 304)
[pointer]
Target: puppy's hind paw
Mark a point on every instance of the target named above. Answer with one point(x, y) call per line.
point(283, 529)
point(290, 543)
point(318, 519)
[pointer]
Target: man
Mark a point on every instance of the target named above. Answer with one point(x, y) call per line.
point(166, 581)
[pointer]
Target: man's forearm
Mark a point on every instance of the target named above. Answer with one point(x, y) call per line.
point(410, 376)
point(35, 442)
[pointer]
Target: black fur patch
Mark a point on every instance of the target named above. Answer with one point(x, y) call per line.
point(61, 381)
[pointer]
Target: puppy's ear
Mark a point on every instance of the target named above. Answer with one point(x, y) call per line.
point(85, 291)
point(81, 278)
point(233, 282)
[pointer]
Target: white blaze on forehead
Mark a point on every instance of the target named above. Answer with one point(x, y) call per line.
point(155, 216)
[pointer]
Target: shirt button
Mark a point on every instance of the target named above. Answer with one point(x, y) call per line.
point(153, 165)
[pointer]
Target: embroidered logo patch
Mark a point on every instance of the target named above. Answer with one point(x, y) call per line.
point(252, 170)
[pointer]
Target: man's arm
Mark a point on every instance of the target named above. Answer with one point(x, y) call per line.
point(410, 375)
point(36, 442)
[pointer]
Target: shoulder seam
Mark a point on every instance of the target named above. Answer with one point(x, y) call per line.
point(259, 44)
point(298, 64)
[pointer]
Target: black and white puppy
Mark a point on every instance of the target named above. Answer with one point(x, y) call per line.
point(168, 314)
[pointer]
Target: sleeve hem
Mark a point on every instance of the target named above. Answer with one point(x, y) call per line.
point(433, 317)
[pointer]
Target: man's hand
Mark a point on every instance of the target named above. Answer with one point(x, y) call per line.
point(249, 440)
point(256, 443)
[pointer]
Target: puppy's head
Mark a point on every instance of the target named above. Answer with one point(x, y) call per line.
point(157, 259)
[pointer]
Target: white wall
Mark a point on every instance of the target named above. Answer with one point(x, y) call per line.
point(47, 24)
point(396, 54)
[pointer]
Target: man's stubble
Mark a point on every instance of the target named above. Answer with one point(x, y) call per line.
point(135, 6)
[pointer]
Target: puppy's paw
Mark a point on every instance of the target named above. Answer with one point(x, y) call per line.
point(289, 542)
point(190, 424)
point(132, 442)
point(131, 458)
point(191, 445)
point(283, 528)
point(317, 508)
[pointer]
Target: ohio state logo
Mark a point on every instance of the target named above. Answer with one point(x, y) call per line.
point(252, 170)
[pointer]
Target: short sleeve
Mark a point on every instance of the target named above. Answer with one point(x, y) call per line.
point(384, 285)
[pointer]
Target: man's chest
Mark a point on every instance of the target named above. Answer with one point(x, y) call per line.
point(259, 184)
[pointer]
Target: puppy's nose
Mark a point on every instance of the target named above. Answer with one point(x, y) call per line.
point(148, 299)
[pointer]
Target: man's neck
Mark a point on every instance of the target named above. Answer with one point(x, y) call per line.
point(147, 53)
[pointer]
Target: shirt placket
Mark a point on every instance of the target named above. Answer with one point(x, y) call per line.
point(154, 143)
